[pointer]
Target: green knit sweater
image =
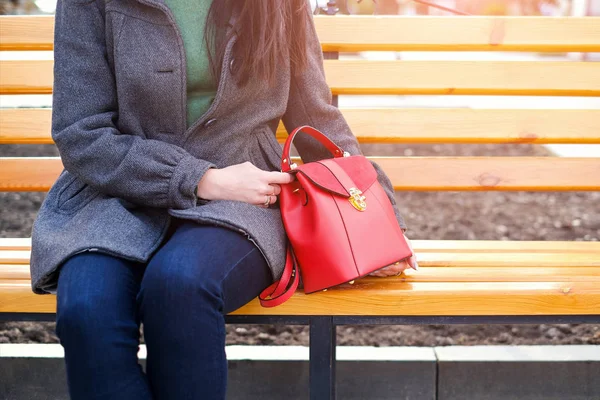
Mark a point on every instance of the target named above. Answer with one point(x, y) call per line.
point(190, 16)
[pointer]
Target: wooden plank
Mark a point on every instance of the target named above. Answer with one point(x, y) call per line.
point(505, 246)
point(434, 246)
point(390, 33)
point(456, 125)
point(14, 271)
point(492, 173)
point(26, 76)
point(25, 126)
point(517, 273)
point(29, 174)
point(444, 259)
point(548, 78)
point(476, 260)
point(15, 244)
point(515, 78)
point(14, 257)
point(392, 125)
point(32, 32)
point(474, 33)
point(394, 297)
point(389, 296)
point(406, 173)
point(483, 261)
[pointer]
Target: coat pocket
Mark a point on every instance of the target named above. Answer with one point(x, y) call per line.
point(74, 195)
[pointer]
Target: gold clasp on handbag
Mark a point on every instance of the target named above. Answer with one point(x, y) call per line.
point(357, 200)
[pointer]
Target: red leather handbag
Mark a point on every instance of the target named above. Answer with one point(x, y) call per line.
point(339, 221)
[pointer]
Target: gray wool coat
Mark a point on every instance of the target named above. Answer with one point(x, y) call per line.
point(131, 163)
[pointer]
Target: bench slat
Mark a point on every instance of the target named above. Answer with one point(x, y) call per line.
point(20, 32)
point(25, 126)
point(392, 297)
point(390, 33)
point(457, 125)
point(406, 173)
point(26, 76)
point(392, 125)
point(546, 78)
point(434, 246)
point(515, 273)
point(438, 259)
point(573, 257)
point(15, 244)
point(424, 33)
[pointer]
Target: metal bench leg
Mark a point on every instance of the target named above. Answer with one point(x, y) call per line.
point(322, 358)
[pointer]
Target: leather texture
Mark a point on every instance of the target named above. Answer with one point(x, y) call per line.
point(332, 241)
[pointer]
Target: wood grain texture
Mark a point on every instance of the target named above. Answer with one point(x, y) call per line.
point(472, 33)
point(406, 173)
point(390, 33)
point(390, 296)
point(481, 277)
point(32, 32)
point(548, 78)
point(514, 273)
point(26, 76)
point(434, 246)
point(25, 126)
point(393, 125)
point(478, 261)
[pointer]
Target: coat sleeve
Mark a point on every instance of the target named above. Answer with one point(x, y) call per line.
point(84, 110)
point(310, 103)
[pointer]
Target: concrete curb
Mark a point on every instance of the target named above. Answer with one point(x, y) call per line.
point(36, 371)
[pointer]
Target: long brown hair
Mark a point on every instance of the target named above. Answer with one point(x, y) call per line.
point(267, 30)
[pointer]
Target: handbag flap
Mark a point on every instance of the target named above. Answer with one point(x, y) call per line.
point(359, 172)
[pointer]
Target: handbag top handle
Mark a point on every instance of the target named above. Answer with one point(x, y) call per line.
point(324, 140)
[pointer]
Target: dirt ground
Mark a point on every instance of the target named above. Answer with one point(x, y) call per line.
point(429, 215)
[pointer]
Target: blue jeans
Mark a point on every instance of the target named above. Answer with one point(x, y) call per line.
point(198, 274)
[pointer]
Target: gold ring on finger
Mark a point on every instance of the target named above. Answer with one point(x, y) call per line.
point(267, 201)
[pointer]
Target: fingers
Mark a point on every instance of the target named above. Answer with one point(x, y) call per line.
point(263, 203)
point(279, 177)
point(272, 187)
point(391, 270)
point(412, 261)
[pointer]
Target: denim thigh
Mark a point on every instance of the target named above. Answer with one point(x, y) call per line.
point(213, 258)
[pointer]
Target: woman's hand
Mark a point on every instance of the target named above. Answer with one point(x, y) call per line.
point(242, 182)
point(397, 269)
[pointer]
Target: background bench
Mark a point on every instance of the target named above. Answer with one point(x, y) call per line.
point(479, 281)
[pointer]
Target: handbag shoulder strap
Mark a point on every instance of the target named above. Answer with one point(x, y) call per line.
point(278, 293)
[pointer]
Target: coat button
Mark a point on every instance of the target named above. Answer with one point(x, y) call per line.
point(209, 122)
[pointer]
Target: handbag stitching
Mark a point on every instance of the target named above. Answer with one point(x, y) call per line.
point(401, 236)
point(347, 235)
point(335, 176)
point(321, 186)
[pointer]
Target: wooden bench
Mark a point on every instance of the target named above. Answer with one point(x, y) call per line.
point(460, 281)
